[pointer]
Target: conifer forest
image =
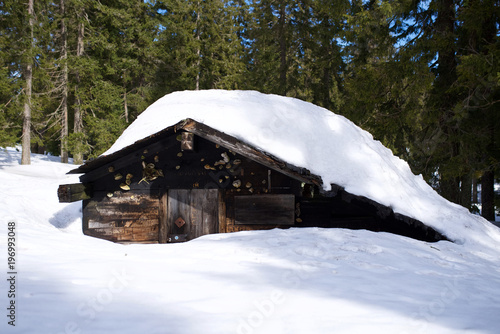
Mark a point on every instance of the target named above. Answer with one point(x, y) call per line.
point(422, 76)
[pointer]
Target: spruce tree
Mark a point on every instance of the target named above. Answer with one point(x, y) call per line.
point(478, 86)
point(200, 46)
point(112, 72)
point(271, 33)
point(386, 80)
point(11, 81)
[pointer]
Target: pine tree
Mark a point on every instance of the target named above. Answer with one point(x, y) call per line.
point(112, 74)
point(11, 81)
point(271, 33)
point(325, 65)
point(443, 99)
point(386, 80)
point(200, 46)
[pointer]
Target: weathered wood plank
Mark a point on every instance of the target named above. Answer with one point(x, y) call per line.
point(222, 220)
point(197, 197)
point(162, 219)
point(178, 207)
point(264, 209)
point(171, 211)
point(123, 217)
point(210, 206)
point(68, 193)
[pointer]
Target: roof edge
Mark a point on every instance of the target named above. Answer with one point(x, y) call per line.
point(215, 136)
point(104, 159)
point(245, 149)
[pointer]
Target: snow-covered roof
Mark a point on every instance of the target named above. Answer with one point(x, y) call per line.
point(311, 137)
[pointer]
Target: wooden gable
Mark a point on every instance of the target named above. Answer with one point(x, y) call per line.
point(139, 195)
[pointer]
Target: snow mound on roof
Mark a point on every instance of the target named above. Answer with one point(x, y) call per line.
point(312, 137)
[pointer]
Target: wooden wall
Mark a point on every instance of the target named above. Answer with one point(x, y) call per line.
point(140, 196)
point(196, 185)
point(266, 209)
point(124, 217)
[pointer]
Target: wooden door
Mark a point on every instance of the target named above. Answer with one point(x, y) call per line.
point(186, 214)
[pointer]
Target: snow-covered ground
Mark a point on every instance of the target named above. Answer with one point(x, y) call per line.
point(280, 281)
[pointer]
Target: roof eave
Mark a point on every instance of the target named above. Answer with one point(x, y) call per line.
point(215, 136)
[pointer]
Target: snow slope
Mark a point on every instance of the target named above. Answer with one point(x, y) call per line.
point(280, 281)
point(312, 137)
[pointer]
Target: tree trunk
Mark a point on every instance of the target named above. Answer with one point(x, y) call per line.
point(125, 104)
point(445, 100)
point(64, 102)
point(445, 35)
point(474, 190)
point(450, 189)
point(488, 181)
point(488, 195)
point(282, 46)
point(466, 191)
point(198, 51)
point(326, 87)
point(26, 136)
point(78, 122)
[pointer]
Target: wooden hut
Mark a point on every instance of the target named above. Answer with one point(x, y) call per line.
point(190, 179)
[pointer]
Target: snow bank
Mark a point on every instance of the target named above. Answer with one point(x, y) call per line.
point(294, 281)
point(34, 190)
point(327, 144)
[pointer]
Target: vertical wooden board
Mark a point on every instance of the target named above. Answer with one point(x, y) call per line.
point(184, 209)
point(197, 196)
point(178, 206)
point(163, 221)
point(171, 211)
point(210, 211)
point(222, 222)
point(229, 203)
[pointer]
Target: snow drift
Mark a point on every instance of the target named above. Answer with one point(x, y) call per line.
point(294, 281)
point(312, 137)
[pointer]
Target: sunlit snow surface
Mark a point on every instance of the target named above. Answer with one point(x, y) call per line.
point(280, 281)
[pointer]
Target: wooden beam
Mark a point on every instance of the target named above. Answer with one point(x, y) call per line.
point(126, 160)
point(68, 193)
